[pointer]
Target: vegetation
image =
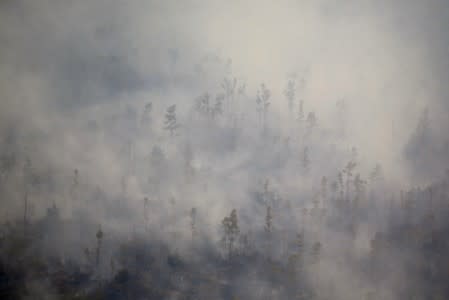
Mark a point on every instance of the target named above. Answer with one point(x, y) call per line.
point(227, 213)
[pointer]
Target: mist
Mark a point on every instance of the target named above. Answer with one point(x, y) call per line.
point(210, 150)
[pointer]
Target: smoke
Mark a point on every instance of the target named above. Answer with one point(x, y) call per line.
point(77, 78)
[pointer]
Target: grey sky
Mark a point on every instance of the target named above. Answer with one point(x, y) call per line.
point(388, 60)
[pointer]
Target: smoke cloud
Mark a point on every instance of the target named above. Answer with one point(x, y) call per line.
point(86, 89)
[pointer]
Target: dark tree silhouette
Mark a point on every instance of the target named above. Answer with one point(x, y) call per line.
point(230, 232)
point(99, 236)
point(171, 123)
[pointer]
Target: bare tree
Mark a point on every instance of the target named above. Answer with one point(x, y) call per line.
point(99, 236)
point(230, 232)
point(217, 110)
point(311, 121)
point(145, 212)
point(305, 159)
point(229, 86)
point(171, 123)
point(263, 103)
point(26, 174)
point(269, 230)
point(290, 92)
point(193, 222)
point(203, 105)
point(316, 253)
point(268, 221)
point(75, 185)
point(146, 114)
point(349, 168)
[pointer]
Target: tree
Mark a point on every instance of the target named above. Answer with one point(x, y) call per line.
point(301, 103)
point(359, 184)
point(145, 211)
point(300, 248)
point(305, 159)
point(267, 194)
point(208, 109)
point(245, 243)
point(230, 232)
point(229, 86)
point(75, 184)
point(296, 260)
point(289, 93)
point(324, 187)
point(419, 149)
point(157, 157)
point(27, 181)
point(316, 253)
point(349, 168)
point(340, 184)
point(359, 188)
point(218, 107)
point(99, 236)
point(311, 120)
point(193, 222)
point(241, 89)
point(171, 124)
point(146, 114)
point(88, 256)
point(269, 229)
point(262, 101)
point(377, 173)
point(112, 265)
point(423, 125)
point(203, 105)
point(7, 164)
point(268, 221)
point(301, 112)
point(334, 189)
